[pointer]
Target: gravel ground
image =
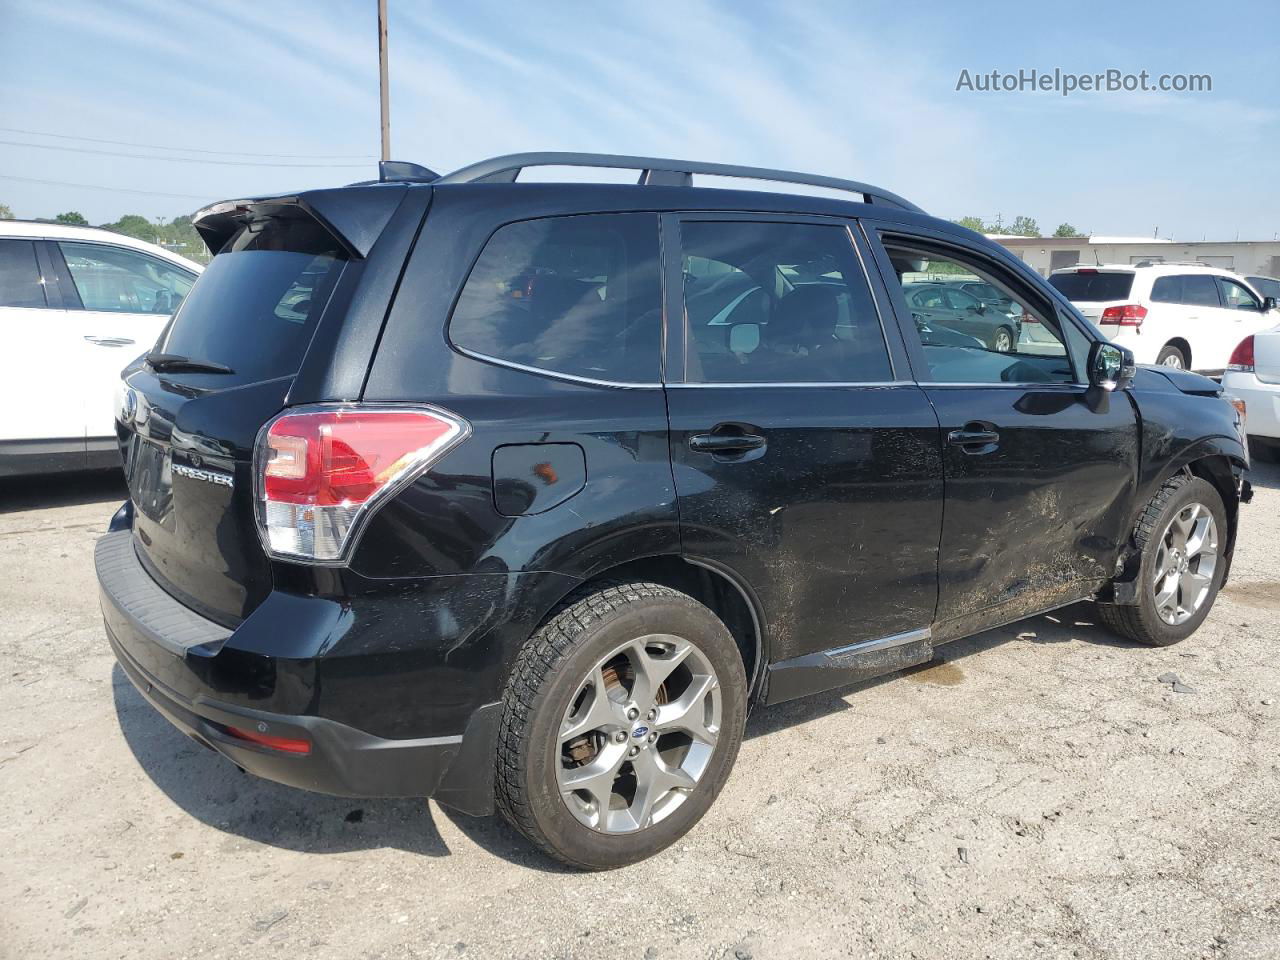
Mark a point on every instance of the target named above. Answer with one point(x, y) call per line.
point(1040, 792)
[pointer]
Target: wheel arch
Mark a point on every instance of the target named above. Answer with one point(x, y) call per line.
point(712, 585)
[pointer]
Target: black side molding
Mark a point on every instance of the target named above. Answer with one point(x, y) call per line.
point(838, 667)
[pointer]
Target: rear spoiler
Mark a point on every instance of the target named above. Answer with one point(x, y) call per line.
point(356, 216)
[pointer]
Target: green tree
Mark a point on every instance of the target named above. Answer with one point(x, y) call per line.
point(73, 217)
point(1024, 227)
point(973, 223)
point(1067, 230)
point(133, 225)
point(5, 212)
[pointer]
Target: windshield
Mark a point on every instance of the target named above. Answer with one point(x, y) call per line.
point(1093, 286)
point(256, 305)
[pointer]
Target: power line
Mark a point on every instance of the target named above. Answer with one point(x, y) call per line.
point(219, 153)
point(143, 156)
point(94, 186)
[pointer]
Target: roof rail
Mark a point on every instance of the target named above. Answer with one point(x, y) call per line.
point(655, 171)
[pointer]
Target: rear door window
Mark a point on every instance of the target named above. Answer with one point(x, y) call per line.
point(256, 305)
point(578, 295)
point(1093, 286)
point(1199, 290)
point(804, 312)
point(20, 283)
point(116, 280)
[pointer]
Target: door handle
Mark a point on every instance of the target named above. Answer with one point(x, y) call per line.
point(725, 442)
point(111, 341)
point(975, 438)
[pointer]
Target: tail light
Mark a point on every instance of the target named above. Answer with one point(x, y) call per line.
point(322, 472)
point(1128, 315)
point(1242, 356)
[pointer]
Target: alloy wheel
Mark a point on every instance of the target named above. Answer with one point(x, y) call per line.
point(638, 734)
point(1186, 559)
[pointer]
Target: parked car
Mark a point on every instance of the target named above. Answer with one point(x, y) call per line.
point(430, 530)
point(1266, 286)
point(1184, 315)
point(948, 306)
point(1253, 375)
point(84, 302)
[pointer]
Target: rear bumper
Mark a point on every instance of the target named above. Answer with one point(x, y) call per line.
point(1262, 403)
point(209, 680)
point(342, 761)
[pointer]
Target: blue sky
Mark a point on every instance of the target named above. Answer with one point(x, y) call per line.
point(864, 90)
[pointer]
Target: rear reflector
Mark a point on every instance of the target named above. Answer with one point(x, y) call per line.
point(285, 744)
point(322, 471)
point(1242, 356)
point(1128, 315)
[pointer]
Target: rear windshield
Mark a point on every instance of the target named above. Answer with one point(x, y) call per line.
point(1092, 287)
point(255, 307)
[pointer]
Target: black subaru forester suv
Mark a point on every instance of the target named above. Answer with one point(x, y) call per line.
point(520, 495)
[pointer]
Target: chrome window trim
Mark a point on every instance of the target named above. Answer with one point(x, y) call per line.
point(880, 643)
point(1021, 385)
point(555, 375)
point(804, 383)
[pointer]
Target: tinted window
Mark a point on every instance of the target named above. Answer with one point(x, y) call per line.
point(20, 284)
point(1008, 339)
point(255, 306)
point(807, 315)
point(1167, 290)
point(576, 295)
point(1236, 297)
point(1266, 286)
point(1199, 290)
point(124, 281)
point(1091, 286)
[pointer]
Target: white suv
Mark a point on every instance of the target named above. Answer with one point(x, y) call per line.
point(1177, 314)
point(77, 304)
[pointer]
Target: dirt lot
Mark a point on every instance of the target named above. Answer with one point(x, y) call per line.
point(1040, 793)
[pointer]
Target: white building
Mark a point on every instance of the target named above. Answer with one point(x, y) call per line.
point(1045, 254)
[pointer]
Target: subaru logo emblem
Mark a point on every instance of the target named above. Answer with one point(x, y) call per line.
point(640, 732)
point(128, 405)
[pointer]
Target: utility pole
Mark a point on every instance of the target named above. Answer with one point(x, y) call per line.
point(382, 79)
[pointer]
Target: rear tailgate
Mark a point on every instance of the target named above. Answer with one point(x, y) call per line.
point(191, 411)
point(1266, 355)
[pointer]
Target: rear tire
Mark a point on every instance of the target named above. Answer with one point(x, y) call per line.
point(1171, 356)
point(1264, 449)
point(607, 752)
point(1002, 340)
point(1178, 577)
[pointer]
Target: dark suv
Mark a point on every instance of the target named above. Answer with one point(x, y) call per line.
point(522, 494)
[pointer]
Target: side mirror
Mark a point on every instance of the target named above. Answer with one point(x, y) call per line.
point(1269, 303)
point(1111, 367)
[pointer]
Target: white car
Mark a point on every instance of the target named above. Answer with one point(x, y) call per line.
point(77, 304)
point(1185, 315)
point(1253, 375)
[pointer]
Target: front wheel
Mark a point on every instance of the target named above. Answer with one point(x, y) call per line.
point(1182, 535)
point(622, 719)
point(1002, 340)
